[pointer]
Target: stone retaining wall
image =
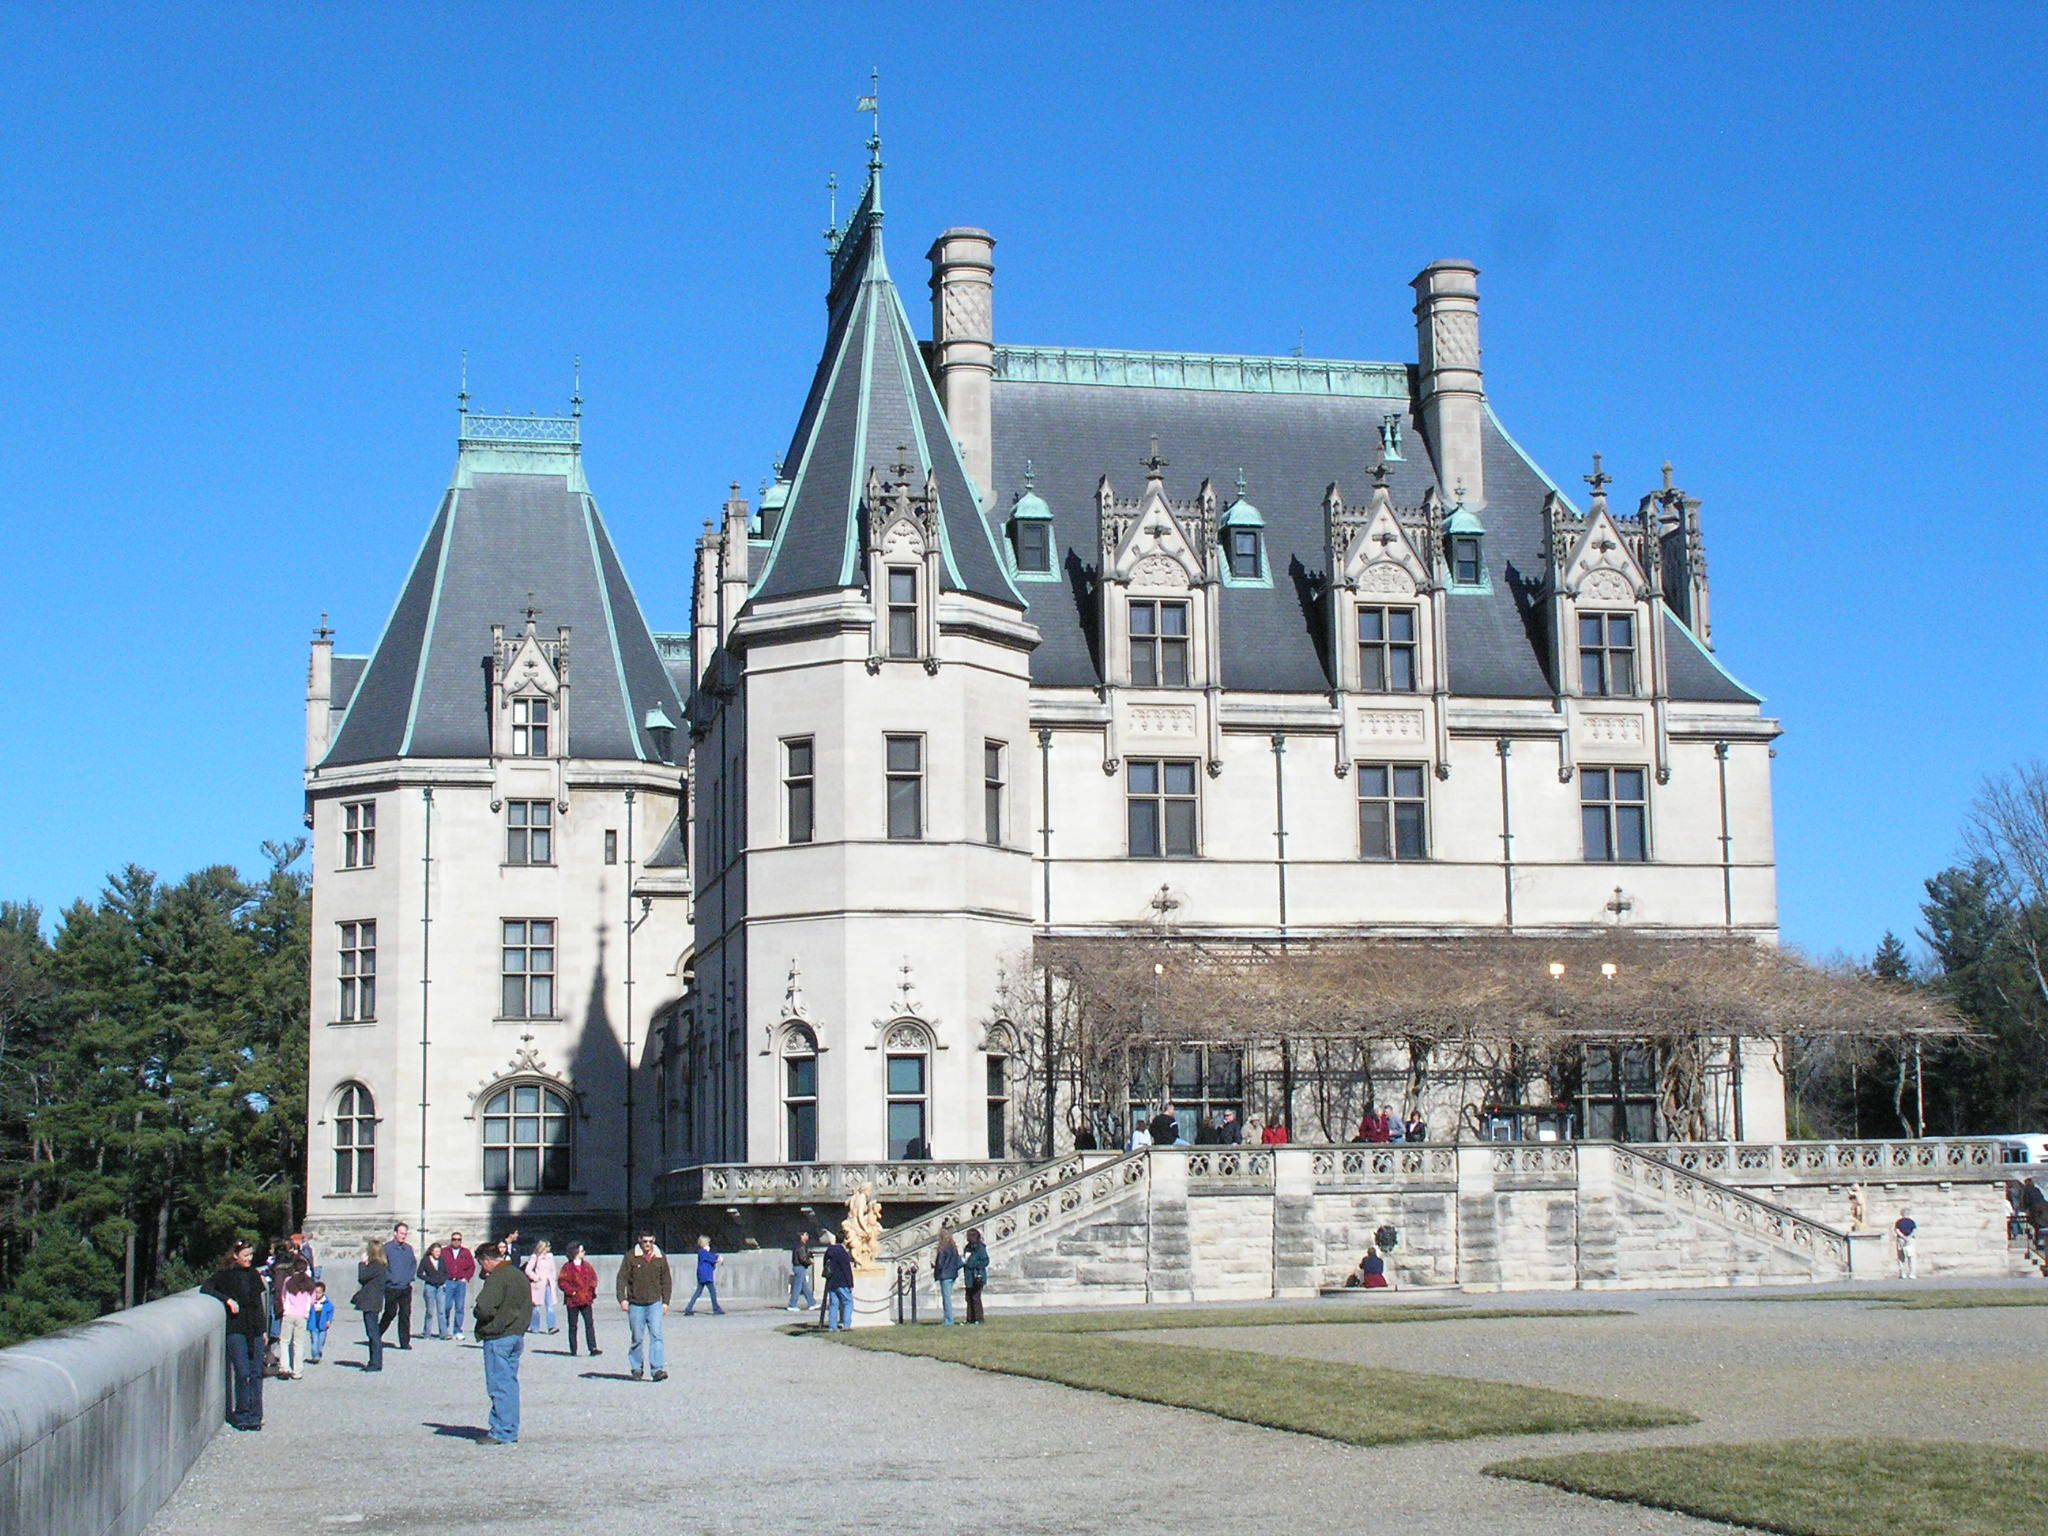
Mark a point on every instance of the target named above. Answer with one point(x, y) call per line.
point(99, 1424)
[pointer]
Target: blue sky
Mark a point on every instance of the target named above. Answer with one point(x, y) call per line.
point(243, 249)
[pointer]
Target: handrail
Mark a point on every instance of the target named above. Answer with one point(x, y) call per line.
point(1086, 1186)
point(975, 1206)
point(1941, 1154)
point(900, 1179)
point(1734, 1206)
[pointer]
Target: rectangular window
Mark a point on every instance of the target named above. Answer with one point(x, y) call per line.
point(1614, 808)
point(1393, 811)
point(358, 1002)
point(530, 727)
point(611, 846)
point(1034, 546)
point(1244, 553)
point(906, 787)
point(1607, 655)
point(1386, 650)
point(992, 754)
point(907, 1109)
point(1159, 644)
point(801, 1104)
point(529, 832)
point(358, 834)
point(902, 612)
point(998, 1106)
point(799, 789)
point(1465, 567)
point(1161, 808)
point(528, 968)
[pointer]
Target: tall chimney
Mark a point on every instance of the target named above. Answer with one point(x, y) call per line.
point(963, 343)
point(1453, 389)
point(319, 694)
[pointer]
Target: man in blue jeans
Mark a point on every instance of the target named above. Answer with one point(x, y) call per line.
point(504, 1307)
point(644, 1290)
point(838, 1286)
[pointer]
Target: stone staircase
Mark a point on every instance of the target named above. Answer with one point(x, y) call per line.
point(1665, 1224)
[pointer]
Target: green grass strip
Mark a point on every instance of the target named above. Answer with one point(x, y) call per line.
point(1867, 1487)
point(1914, 1301)
point(1344, 1313)
point(1358, 1405)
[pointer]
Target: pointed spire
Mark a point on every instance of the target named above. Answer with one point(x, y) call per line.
point(872, 102)
point(462, 394)
point(576, 398)
point(324, 633)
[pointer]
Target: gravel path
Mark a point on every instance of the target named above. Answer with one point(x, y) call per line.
point(759, 1431)
point(764, 1432)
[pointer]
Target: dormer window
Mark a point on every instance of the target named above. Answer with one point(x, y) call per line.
point(1034, 547)
point(1386, 649)
point(1159, 643)
point(1465, 566)
point(1245, 563)
point(530, 720)
point(1607, 655)
point(902, 612)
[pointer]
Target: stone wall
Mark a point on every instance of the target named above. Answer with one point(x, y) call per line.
point(99, 1424)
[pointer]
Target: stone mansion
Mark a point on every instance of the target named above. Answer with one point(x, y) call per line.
point(1023, 643)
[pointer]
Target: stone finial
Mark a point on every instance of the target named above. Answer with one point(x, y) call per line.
point(1153, 465)
point(1599, 480)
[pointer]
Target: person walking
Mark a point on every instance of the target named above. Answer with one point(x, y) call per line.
point(238, 1286)
point(296, 1297)
point(403, 1266)
point(838, 1286)
point(801, 1297)
point(976, 1269)
point(434, 1293)
point(460, 1265)
point(579, 1295)
point(373, 1291)
point(707, 1279)
point(543, 1278)
point(946, 1265)
point(1904, 1246)
point(319, 1320)
point(645, 1288)
point(504, 1306)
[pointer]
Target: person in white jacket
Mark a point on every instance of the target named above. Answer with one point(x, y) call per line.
point(543, 1276)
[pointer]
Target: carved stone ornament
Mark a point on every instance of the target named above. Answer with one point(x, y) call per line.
point(907, 1035)
point(968, 314)
point(863, 1231)
point(1606, 587)
point(1384, 578)
point(1622, 729)
point(1161, 720)
point(1456, 335)
point(1390, 724)
point(1160, 571)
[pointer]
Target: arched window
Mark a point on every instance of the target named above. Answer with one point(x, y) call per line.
point(908, 1091)
point(355, 1141)
point(526, 1140)
point(800, 1094)
point(1001, 1051)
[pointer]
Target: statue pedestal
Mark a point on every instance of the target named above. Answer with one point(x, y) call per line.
point(874, 1297)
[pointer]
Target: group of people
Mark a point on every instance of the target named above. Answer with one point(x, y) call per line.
point(1378, 1128)
point(283, 1302)
point(951, 1265)
point(1165, 1129)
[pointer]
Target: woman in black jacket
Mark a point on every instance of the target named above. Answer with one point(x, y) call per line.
point(239, 1288)
point(370, 1291)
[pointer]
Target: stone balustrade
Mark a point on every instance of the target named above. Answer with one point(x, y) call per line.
point(1847, 1161)
point(1733, 1207)
point(1065, 1187)
point(831, 1183)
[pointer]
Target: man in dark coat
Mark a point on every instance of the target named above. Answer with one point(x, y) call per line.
point(239, 1287)
point(404, 1269)
point(838, 1286)
point(504, 1311)
point(1165, 1127)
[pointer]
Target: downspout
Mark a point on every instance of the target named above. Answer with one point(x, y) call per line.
point(426, 977)
point(1045, 962)
point(1507, 835)
point(1727, 862)
point(1280, 825)
point(631, 798)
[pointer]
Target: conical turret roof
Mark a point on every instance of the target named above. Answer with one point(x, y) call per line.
point(872, 405)
point(517, 529)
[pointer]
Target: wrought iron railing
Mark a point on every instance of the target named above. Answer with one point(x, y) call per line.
point(1859, 1159)
point(1685, 1190)
point(478, 428)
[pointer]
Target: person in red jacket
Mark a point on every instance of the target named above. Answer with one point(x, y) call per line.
point(578, 1282)
point(459, 1264)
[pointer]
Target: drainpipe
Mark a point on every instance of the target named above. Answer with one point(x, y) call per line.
point(631, 797)
point(426, 977)
point(1280, 825)
point(1507, 835)
point(1727, 840)
point(1045, 968)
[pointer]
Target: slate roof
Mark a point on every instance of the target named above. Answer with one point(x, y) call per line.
point(1290, 446)
point(871, 404)
point(515, 520)
point(668, 853)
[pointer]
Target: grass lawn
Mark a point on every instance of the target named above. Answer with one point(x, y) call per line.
point(1359, 1405)
point(1146, 1319)
point(1816, 1487)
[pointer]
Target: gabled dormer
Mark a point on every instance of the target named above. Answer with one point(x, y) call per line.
point(530, 692)
point(1034, 555)
point(902, 538)
point(1241, 541)
point(1158, 618)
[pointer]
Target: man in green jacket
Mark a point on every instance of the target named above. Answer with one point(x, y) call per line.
point(504, 1309)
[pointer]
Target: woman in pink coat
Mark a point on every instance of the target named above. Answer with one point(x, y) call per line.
point(543, 1276)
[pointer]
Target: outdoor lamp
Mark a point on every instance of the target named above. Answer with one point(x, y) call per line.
point(1556, 970)
point(1607, 969)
